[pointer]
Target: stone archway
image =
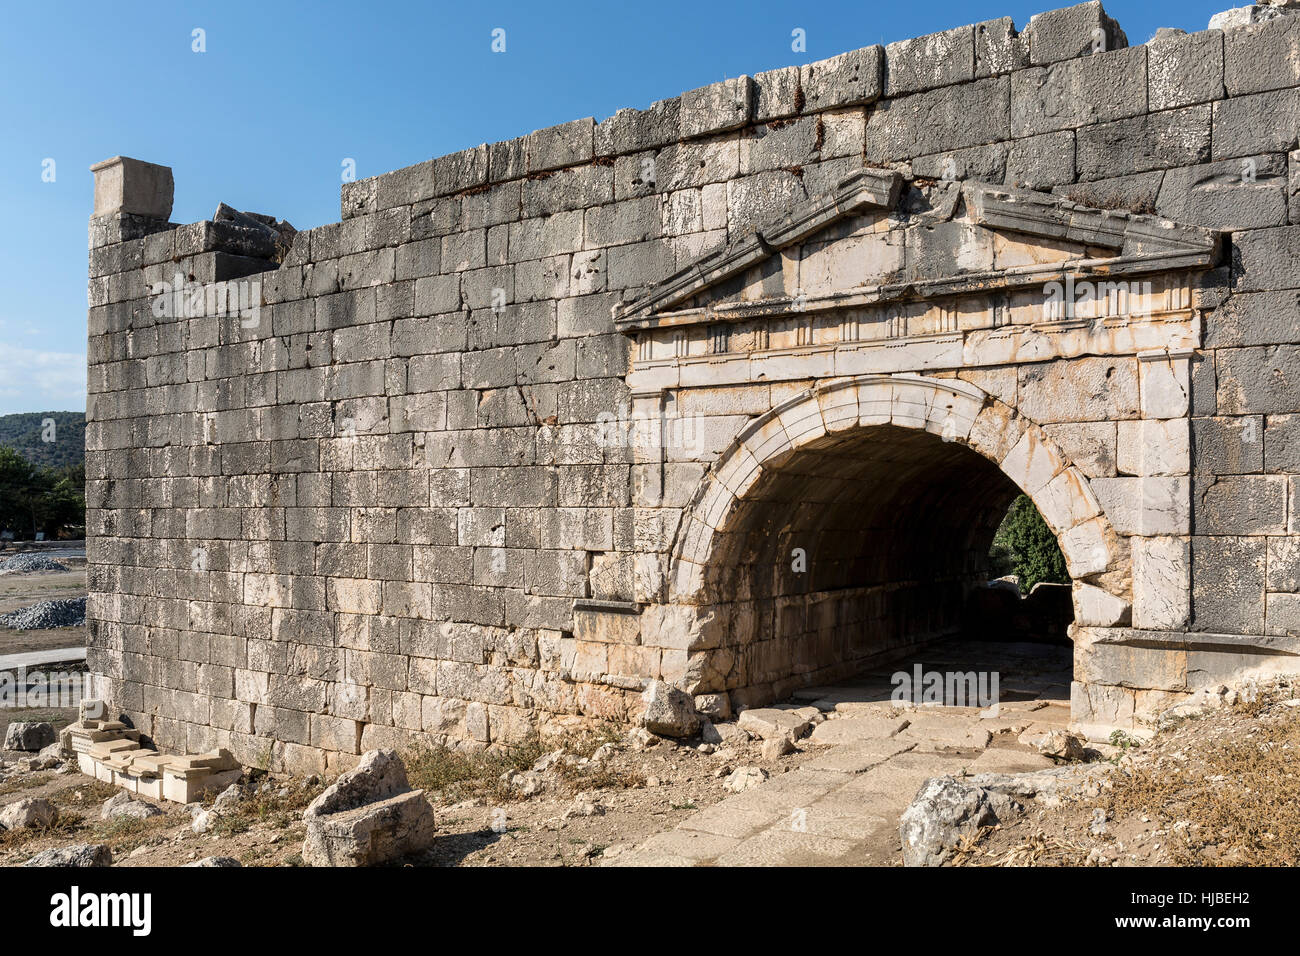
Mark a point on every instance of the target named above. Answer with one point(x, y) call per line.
point(893, 487)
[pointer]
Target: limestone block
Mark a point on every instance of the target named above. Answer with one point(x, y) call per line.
point(1085, 389)
point(370, 834)
point(1240, 504)
point(1283, 570)
point(999, 48)
point(846, 80)
point(1066, 500)
point(1153, 141)
point(1153, 447)
point(1032, 462)
point(1185, 69)
point(1089, 446)
point(565, 145)
point(1228, 575)
point(1089, 547)
point(922, 63)
point(1282, 614)
point(776, 94)
point(1262, 56)
point(1148, 506)
point(125, 185)
point(1233, 194)
point(1161, 582)
point(1106, 86)
point(1095, 607)
point(1072, 32)
point(1163, 385)
point(717, 108)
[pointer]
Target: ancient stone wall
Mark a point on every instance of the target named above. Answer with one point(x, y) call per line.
point(371, 495)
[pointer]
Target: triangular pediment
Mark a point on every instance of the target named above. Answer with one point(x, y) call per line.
point(878, 238)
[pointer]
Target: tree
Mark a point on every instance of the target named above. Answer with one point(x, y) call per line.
point(1025, 546)
point(18, 494)
point(33, 500)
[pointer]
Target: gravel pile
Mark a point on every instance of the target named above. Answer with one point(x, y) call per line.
point(47, 614)
point(22, 563)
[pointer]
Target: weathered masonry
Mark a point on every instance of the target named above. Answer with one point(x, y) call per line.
point(730, 392)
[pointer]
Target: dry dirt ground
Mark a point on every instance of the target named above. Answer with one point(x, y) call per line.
point(1217, 789)
point(19, 590)
point(603, 800)
point(626, 798)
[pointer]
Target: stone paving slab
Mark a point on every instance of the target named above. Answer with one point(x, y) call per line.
point(781, 846)
point(856, 758)
point(854, 729)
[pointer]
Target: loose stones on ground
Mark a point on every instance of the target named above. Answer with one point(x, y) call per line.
point(81, 854)
point(30, 812)
point(121, 806)
point(29, 736)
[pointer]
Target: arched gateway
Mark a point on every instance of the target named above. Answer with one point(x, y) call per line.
point(912, 355)
point(853, 520)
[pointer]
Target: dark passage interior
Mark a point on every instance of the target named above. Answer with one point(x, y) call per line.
point(848, 552)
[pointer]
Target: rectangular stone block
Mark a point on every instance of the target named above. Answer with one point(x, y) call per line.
point(1228, 446)
point(717, 108)
point(1267, 259)
point(1262, 56)
point(1228, 584)
point(951, 117)
point(565, 145)
point(1238, 194)
point(1154, 141)
point(1072, 32)
point(1239, 504)
point(1264, 379)
point(999, 48)
point(850, 79)
point(1161, 583)
point(1182, 70)
point(1092, 89)
point(1146, 507)
point(922, 63)
point(1259, 123)
point(1153, 447)
point(132, 187)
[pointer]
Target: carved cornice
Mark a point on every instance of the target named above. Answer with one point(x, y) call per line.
point(1142, 245)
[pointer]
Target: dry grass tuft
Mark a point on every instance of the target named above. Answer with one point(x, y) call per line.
point(1236, 801)
point(455, 775)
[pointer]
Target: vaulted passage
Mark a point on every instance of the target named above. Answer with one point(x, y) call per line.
point(849, 550)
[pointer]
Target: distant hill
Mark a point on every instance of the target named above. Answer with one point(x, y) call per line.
point(23, 433)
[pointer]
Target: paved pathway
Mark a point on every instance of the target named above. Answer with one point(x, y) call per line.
point(842, 807)
point(57, 655)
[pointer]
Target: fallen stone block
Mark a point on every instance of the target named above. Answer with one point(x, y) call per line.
point(947, 811)
point(744, 778)
point(378, 775)
point(669, 712)
point(121, 805)
point(371, 834)
point(1061, 745)
point(81, 854)
point(370, 815)
point(31, 812)
point(944, 813)
point(29, 736)
point(226, 861)
point(769, 723)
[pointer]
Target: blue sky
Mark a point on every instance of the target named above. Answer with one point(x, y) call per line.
point(285, 91)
